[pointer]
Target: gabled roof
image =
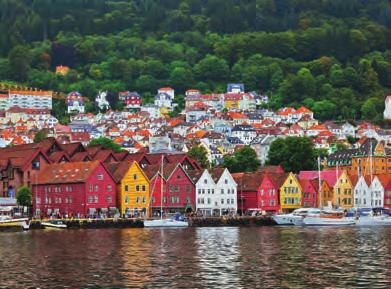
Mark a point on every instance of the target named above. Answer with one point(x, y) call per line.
point(81, 157)
point(74, 172)
point(72, 148)
point(329, 176)
point(216, 173)
point(119, 169)
point(248, 182)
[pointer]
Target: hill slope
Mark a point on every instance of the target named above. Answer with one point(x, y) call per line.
point(334, 56)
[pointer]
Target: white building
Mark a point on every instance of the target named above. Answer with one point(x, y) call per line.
point(101, 100)
point(377, 193)
point(362, 194)
point(216, 192)
point(387, 110)
point(75, 103)
point(164, 97)
point(246, 133)
point(368, 196)
point(30, 99)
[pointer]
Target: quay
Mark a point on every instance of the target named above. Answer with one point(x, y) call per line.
point(245, 221)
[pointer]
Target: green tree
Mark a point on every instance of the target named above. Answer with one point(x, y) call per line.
point(293, 154)
point(40, 135)
point(212, 68)
point(106, 143)
point(200, 154)
point(371, 108)
point(244, 159)
point(24, 196)
point(20, 60)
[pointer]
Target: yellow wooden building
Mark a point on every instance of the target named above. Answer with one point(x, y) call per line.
point(133, 195)
point(290, 194)
point(343, 192)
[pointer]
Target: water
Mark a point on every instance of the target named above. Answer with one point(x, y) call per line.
point(266, 257)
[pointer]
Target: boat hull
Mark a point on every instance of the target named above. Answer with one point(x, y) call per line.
point(373, 221)
point(288, 219)
point(318, 221)
point(165, 223)
point(48, 225)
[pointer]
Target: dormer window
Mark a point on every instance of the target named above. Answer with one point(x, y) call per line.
point(205, 181)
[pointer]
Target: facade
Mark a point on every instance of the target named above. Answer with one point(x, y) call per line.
point(132, 188)
point(226, 190)
point(75, 103)
point(269, 192)
point(74, 189)
point(248, 192)
point(131, 99)
point(173, 190)
point(377, 193)
point(343, 196)
point(362, 193)
point(290, 193)
point(310, 198)
point(30, 99)
point(246, 133)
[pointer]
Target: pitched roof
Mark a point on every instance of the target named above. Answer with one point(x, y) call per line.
point(248, 181)
point(329, 176)
point(74, 172)
point(216, 173)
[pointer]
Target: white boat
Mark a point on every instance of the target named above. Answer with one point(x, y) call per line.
point(366, 217)
point(329, 218)
point(172, 222)
point(7, 221)
point(54, 224)
point(294, 218)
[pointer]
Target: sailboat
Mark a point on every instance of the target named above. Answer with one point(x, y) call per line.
point(175, 221)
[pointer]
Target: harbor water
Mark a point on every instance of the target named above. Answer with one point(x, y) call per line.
point(224, 257)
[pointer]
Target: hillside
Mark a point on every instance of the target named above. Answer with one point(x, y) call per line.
point(333, 56)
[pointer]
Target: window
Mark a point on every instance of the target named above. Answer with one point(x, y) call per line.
point(126, 199)
point(96, 188)
point(143, 188)
point(222, 191)
point(35, 165)
point(96, 199)
point(188, 189)
point(109, 188)
point(70, 200)
point(100, 177)
point(208, 191)
point(137, 188)
point(203, 191)
point(188, 200)
point(126, 188)
point(178, 177)
point(226, 181)
point(164, 199)
point(144, 200)
point(222, 201)
point(205, 181)
point(109, 199)
point(137, 199)
point(90, 199)
point(134, 176)
point(199, 191)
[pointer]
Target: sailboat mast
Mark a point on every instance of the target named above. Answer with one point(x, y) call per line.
point(161, 190)
point(320, 185)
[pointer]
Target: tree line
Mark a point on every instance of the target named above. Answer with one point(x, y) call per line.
point(333, 56)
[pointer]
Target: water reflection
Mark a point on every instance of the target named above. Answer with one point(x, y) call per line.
point(268, 257)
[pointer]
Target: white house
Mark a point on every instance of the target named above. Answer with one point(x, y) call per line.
point(368, 196)
point(387, 110)
point(226, 190)
point(246, 133)
point(215, 192)
point(101, 100)
point(377, 193)
point(362, 194)
point(348, 129)
point(75, 102)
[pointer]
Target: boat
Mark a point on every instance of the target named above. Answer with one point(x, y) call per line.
point(329, 218)
point(55, 224)
point(7, 221)
point(294, 218)
point(175, 221)
point(26, 225)
point(366, 217)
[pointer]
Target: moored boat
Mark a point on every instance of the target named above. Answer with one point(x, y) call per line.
point(329, 218)
point(294, 218)
point(367, 217)
point(175, 221)
point(54, 224)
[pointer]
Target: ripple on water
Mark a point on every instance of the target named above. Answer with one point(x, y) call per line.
point(268, 257)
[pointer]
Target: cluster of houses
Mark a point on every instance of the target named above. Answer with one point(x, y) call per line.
point(219, 122)
point(70, 179)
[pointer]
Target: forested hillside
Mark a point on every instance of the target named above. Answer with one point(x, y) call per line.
point(332, 55)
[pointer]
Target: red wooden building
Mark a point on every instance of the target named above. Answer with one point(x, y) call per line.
point(309, 189)
point(79, 188)
point(269, 191)
point(248, 191)
point(178, 189)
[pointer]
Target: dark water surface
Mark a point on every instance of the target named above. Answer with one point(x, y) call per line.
point(267, 257)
